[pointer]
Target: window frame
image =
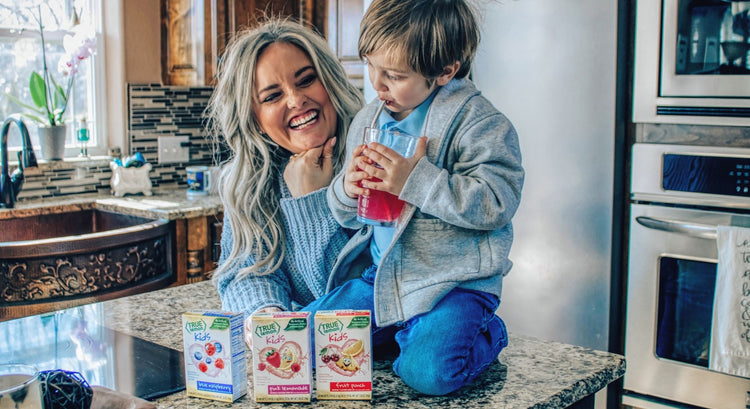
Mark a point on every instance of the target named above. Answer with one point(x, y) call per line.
point(99, 144)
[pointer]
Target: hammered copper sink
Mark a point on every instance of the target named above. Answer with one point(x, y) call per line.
point(58, 260)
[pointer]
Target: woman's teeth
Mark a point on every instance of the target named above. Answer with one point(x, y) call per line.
point(303, 120)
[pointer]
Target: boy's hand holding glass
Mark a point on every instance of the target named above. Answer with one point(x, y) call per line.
point(354, 174)
point(391, 168)
point(387, 159)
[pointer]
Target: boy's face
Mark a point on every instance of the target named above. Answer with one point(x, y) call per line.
point(402, 88)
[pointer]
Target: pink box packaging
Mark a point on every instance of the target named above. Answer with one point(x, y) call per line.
point(282, 368)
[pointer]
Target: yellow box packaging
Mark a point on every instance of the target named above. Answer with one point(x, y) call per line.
point(282, 369)
point(215, 361)
point(343, 356)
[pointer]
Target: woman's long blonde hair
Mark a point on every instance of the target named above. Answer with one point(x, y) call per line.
point(249, 186)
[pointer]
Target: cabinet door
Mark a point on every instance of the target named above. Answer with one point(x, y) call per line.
point(225, 18)
point(344, 17)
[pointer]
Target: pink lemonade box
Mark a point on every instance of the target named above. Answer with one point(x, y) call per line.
point(215, 360)
point(282, 368)
point(343, 356)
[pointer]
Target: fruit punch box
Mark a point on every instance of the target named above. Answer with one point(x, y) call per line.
point(343, 355)
point(282, 370)
point(215, 362)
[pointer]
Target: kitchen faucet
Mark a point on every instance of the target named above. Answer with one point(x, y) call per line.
point(10, 185)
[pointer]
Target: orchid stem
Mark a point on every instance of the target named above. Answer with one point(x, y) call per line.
point(47, 91)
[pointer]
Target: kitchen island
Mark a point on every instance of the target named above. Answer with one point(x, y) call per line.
point(530, 372)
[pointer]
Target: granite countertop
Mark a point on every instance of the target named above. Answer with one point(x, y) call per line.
point(167, 203)
point(530, 372)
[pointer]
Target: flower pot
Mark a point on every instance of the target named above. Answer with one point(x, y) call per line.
point(52, 141)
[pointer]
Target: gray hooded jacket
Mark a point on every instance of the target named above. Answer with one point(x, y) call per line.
point(455, 230)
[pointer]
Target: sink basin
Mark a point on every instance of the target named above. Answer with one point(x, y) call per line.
point(60, 260)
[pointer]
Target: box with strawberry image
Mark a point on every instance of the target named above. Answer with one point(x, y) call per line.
point(282, 371)
point(343, 355)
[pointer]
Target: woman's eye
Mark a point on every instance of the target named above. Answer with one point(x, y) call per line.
point(307, 80)
point(393, 77)
point(271, 97)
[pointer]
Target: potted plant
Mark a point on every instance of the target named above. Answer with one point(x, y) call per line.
point(49, 98)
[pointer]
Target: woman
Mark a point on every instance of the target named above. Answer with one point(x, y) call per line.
point(283, 105)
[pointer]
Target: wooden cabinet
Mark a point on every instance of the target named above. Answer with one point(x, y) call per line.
point(225, 18)
point(197, 247)
point(344, 17)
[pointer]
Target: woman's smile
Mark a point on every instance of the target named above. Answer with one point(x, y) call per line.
point(303, 121)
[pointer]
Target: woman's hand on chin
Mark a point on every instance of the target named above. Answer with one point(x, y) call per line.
point(311, 170)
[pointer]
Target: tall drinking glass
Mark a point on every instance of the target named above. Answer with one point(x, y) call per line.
point(382, 208)
point(20, 387)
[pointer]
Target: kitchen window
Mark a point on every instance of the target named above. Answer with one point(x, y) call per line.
point(20, 55)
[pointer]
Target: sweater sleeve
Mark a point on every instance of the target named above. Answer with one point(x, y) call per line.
point(251, 292)
point(316, 236)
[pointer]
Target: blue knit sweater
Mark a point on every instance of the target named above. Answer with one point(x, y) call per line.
point(313, 240)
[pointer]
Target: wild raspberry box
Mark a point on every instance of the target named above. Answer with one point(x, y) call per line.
point(215, 361)
point(282, 368)
point(343, 355)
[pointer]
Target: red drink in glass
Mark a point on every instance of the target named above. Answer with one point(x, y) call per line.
point(379, 208)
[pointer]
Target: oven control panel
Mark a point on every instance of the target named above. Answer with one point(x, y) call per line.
point(722, 175)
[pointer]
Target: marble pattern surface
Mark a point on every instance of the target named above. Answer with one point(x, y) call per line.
point(530, 373)
point(168, 203)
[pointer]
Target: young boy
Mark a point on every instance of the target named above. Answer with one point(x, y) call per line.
point(435, 279)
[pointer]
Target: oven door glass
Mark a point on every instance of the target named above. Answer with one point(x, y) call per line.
point(705, 48)
point(686, 296)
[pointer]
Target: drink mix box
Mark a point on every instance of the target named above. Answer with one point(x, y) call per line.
point(215, 362)
point(282, 368)
point(343, 356)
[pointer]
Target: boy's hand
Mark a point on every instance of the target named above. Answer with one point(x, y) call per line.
point(394, 168)
point(311, 170)
point(354, 174)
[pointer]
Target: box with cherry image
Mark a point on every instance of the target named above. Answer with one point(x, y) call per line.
point(343, 355)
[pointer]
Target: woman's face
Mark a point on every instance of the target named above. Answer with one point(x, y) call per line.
point(292, 106)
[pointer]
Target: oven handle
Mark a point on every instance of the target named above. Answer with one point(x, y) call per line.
point(703, 231)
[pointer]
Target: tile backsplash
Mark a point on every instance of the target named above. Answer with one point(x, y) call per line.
point(154, 110)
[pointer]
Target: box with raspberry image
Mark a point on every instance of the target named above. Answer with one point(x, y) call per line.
point(214, 347)
point(282, 369)
point(343, 355)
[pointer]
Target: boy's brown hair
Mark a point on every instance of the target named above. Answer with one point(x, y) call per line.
point(425, 35)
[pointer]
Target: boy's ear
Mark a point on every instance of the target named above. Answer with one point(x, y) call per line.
point(449, 71)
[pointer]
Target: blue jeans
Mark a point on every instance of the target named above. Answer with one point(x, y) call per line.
point(440, 350)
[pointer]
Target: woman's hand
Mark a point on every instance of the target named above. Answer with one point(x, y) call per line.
point(393, 169)
point(311, 170)
point(249, 325)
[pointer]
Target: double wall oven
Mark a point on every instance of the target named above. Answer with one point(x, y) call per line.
point(679, 195)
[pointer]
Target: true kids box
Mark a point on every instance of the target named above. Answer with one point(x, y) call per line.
point(343, 355)
point(282, 368)
point(215, 363)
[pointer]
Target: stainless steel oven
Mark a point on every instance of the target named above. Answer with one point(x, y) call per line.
point(679, 195)
point(692, 62)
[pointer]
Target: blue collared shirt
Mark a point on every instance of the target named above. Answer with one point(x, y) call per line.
point(412, 125)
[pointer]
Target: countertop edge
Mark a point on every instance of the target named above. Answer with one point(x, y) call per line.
point(169, 204)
